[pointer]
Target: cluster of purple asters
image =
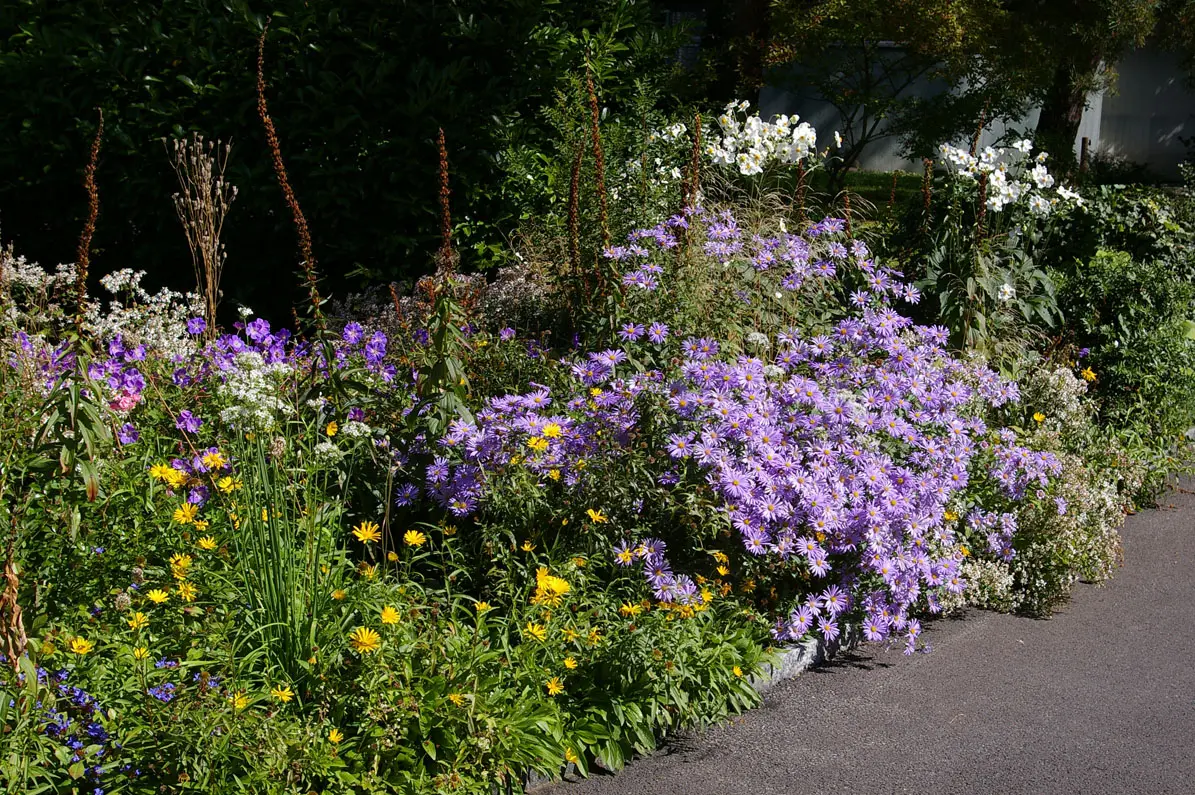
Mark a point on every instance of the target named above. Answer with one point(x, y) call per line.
point(666, 585)
point(838, 455)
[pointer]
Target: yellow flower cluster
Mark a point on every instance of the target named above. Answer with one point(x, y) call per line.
point(180, 565)
point(168, 475)
point(548, 588)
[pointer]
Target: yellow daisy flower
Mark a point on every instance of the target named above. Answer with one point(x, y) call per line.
point(552, 431)
point(570, 663)
point(185, 513)
point(555, 686)
point(207, 543)
point(214, 460)
point(365, 640)
point(367, 532)
point(138, 621)
point(81, 646)
point(140, 653)
point(335, 737)
point(389, 615)
point(414, 538)
point(481, 607)
point(332, 428)
point(157, 596)
point(597, 517)
point(537, 631)
point(187, 592)
point(228, 485)
point(239, 700)
point(283, 694)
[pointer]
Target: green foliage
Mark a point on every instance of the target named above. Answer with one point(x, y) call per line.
point(1136, 319)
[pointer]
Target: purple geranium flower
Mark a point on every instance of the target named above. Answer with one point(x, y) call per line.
point(128, 433)
point(188, 422)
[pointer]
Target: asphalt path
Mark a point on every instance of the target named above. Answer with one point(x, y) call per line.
point(1098, 699)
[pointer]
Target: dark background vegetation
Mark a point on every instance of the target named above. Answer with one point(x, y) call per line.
point(359, 88)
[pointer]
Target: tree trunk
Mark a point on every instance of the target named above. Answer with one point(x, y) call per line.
point(1065, 101)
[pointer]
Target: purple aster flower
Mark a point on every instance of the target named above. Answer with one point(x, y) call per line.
point(631, 332)
point(406, 494)
point(657, 332)
point(506, 334)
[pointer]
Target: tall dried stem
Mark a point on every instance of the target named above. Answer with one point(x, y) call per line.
point(202, 207)
point(309, 272)
point(12, 626)
point(83, 257)
point(446, 255)
point(927, 192)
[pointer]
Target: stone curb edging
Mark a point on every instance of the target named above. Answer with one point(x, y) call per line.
point(791, 661)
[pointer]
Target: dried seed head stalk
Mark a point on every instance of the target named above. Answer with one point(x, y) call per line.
point(309, 271)
point(802, 177)
point(397, 301)
point(202, 207)
point(846, 210)
point(12, 626)
point(927, 192)
point(83, 257)
point(892, 195)
point(447, 257)
point(599, 159)
point(979, 130)
point(692, 184)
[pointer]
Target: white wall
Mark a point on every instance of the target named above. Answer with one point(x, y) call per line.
point(1147, 112)
point(1141, 118)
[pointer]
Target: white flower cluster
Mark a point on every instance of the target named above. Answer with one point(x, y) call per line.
point(750, 143)
point(356, 430)
point(252, 390)
point(670, 134)
point(29, 295)
point(1009, 180)
point(327, 454)
point(157, 321)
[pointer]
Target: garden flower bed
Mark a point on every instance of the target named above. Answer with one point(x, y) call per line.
point(423, 548)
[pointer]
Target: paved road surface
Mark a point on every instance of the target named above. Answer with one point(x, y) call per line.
point(1099, 699)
